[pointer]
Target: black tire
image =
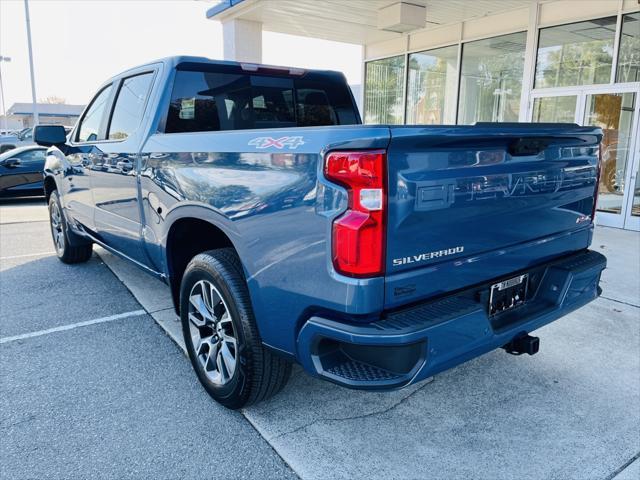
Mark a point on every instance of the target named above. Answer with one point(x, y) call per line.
point(257, 372)
point(5, 148)
point(70, 247)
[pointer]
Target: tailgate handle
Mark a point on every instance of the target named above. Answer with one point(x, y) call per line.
point(433, 197)
point(528, 146)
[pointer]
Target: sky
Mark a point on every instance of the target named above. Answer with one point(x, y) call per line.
point(78, 44)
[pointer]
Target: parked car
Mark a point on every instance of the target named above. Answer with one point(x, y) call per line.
point(373, 255)
point(20, 139)
point(8, 142)
point(21, 172)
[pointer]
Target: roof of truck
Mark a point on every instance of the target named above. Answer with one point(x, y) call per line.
point(172, 62)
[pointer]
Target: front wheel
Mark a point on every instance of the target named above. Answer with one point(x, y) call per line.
point(76, 252)
point(221, 335)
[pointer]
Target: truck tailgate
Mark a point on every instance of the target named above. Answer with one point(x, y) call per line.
point(470, 203)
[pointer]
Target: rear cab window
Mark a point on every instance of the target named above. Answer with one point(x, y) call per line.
point(209, 98)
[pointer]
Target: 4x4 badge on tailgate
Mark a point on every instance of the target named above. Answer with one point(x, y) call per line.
point(266, 142)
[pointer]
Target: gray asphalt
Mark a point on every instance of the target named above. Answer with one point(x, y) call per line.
point(113, 400)
point(119, 399)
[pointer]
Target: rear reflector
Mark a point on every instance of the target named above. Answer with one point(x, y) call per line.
point(358, 242)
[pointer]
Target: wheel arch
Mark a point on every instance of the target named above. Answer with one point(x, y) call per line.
point(189, 234)
point(49, 186)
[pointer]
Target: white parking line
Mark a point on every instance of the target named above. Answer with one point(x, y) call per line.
point(72, 326)
point(41, 254)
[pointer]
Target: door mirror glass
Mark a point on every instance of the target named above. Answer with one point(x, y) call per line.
point(48, 135)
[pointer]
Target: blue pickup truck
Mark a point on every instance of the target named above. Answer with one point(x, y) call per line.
point(373, 255)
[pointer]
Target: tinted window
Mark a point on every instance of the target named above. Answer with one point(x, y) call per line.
point(211, 101)
point(26, 134)
point(314, 109)
point(90, 125)
point(129, 106)
point(31, 156)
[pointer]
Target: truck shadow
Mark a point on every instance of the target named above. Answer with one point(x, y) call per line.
point(478, 420)
point(28, 201)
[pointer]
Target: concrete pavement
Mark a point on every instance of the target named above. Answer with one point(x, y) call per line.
point(116, 399)
point(569, 412)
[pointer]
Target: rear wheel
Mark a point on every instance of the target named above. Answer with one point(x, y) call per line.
point(221, 336)
point(69, 247)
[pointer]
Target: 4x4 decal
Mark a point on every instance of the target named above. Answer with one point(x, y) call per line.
point(280, 143)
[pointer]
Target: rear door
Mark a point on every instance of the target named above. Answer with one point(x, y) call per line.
point(114, 169)
point(468, 204)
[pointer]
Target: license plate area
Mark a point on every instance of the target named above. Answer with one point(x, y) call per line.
point(508, 294)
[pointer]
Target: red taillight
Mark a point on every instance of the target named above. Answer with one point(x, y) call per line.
point(597, 190)
point(359, 234)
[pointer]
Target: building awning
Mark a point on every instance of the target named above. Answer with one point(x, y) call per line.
point(40, 114)
point(50, 109)
point(356, 21)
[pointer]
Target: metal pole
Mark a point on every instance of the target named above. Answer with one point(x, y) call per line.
point(4, 105)
point(33, 81)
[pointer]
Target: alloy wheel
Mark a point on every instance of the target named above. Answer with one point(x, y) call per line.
point(56, 227)
point(212, 333)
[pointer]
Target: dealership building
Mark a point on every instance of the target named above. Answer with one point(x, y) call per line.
point(467, 61)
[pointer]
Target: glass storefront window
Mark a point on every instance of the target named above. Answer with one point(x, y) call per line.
point(576, 54)
point(384, 81)
point(491, 79)
point(613, 112)
point(431, 86)
point(629, 51)
point(635, 207)
point(560, 109)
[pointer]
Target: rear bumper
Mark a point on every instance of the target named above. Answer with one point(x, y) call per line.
point(409, 345)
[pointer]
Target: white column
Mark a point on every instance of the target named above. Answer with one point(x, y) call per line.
point(242, 41)
point(530, 53)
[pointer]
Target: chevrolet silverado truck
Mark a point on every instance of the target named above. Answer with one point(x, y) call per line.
point(373, 255)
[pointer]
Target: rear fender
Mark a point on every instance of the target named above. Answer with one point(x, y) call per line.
point(201, 212)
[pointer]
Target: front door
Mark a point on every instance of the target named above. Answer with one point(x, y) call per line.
point(84, 145)
point(616, 111)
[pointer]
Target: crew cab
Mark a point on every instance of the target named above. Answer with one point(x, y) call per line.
point(373, 255)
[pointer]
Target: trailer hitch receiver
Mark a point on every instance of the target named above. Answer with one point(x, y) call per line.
point(523, 344)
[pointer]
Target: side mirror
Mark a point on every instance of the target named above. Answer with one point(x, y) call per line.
point(48, 135)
